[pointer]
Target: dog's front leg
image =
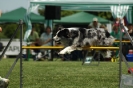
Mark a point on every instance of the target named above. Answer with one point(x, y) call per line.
point(67, 50)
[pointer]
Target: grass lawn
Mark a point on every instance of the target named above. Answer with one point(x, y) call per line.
point(63, 74)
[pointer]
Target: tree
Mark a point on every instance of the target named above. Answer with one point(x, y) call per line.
point(9, 29)
point(106, 15)
point(67, 12)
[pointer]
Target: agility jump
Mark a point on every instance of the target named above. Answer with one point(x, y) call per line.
point(61, 47)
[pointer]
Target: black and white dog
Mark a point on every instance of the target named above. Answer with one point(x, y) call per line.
point(83, 37)
point(4, 82)
point(98, 37)
point(75, 35)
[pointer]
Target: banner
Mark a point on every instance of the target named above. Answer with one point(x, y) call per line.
point(13, 49)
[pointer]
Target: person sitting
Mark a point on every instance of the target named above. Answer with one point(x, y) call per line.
point(32, 40)
point(46, 40)
point(130, 29)
point(1, 44)
point(104, 27)
point(34, 36)
point(128, 46)
point(116, 34)
point(94, 24)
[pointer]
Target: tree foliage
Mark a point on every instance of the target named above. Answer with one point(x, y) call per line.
point(66, 13)
point(106, 15)
point(8, 30)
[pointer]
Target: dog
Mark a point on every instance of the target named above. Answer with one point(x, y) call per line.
point(98, 37)
point(83, 37)
point(74, 34)
point(4, 82)
point(90, 37)
point(104, 37)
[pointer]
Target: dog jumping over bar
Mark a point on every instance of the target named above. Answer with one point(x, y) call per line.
point(82, 37)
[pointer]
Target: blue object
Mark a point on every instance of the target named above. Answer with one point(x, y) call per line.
point(130, 57)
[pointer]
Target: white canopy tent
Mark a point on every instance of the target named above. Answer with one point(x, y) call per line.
point(83, 4)
point(89, 3)
point(86, 5)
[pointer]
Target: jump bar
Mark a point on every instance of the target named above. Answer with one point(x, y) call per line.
point(61, 47)
point(124, 41)
point(42, 47)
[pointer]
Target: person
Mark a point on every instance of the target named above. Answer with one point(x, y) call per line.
point(34, 36)
point(46, 39)
point(104, 27)
point(128, 46)
point(1, 44)
point(130, 29)
point(94, 23)
point(116, 31)
point(116, 34)
point(33, 40)
point(0, 29)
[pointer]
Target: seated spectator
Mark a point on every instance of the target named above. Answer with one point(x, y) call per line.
point(1, 44)
point(33, 39)
point(33, 36)
point(116, 31)
point(0, 29)
point(130, 29)
point(128, 46)
point(94, 23)
point(104, 27)
point(116, 34)
point(46, 40)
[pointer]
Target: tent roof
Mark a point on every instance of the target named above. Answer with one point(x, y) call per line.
point(17, 14)
point(83, 4)
point(81, 17)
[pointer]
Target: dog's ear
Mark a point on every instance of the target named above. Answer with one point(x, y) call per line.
point(74, 33)
point(59, 33)
point(66, 33)
point(63, 32)
point(107, 34)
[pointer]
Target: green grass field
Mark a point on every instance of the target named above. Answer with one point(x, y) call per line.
point(63, 74)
